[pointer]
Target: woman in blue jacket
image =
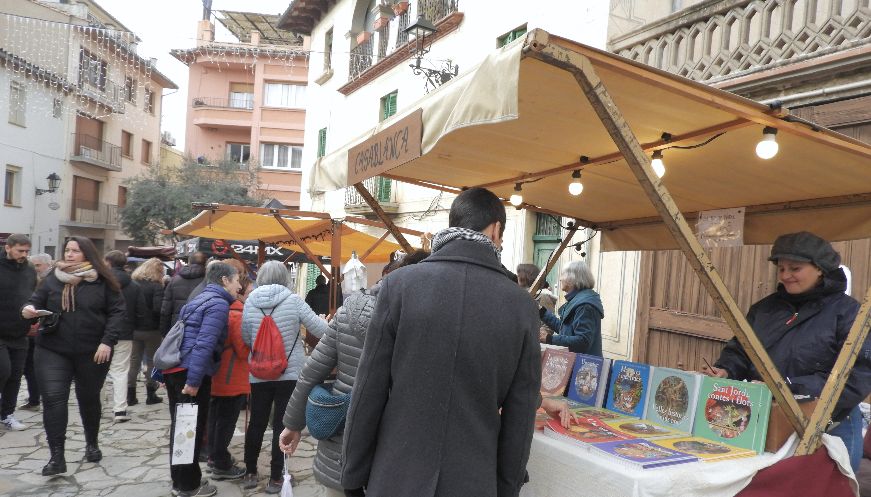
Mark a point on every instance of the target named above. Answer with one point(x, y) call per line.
point(803, 326)
point(205, 319)
point(579, 325)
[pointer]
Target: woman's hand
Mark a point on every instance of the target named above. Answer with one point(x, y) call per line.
point(189, 390)
point(104, 353)
point(542, 334)
point(288, 440)
point(714, 371)
point(558, 409)
point(29, 312)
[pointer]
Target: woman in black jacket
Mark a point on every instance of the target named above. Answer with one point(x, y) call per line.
point(146, 339)
point(86, 300)
point(803, 326)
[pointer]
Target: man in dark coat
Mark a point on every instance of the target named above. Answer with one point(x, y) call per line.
point(445, 398)
point(17, 282)
point(318, 298)
point(176, 294)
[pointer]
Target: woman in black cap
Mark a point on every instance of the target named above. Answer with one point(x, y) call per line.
point(803, 326)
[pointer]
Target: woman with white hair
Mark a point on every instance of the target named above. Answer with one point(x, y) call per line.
point(269, 397)
point(579, 325)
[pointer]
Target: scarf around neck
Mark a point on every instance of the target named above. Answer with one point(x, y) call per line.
point(71, 274)
point(448, 235)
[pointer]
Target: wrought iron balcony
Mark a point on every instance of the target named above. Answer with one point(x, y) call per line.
point(95, 213)
point(384, 191)
point(94, 151)
point(223, 103)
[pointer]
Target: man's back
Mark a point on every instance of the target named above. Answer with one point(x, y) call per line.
point(452, 342)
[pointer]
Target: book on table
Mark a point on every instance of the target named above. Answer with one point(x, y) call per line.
point(643, 454)
point(644, 428)
point(589, 379)
point(733, 412)
point(584, 431)
point(596, 412)
point(629, 387)
point(673, 398)
point(556, 368)
point(706, 450)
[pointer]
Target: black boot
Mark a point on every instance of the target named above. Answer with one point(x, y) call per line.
point(131, 396)
point(93, 453)
point(151, 396)
point(57, 464)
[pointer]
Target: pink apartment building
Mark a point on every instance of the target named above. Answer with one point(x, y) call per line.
point(246, 101)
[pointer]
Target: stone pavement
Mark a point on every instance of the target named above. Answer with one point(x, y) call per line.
point(135, 457)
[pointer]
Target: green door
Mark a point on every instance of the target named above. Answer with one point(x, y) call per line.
point(545, 241)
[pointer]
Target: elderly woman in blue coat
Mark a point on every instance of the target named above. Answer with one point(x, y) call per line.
point(803, 326)
point(579, 325)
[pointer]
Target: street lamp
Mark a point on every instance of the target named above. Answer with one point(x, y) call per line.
point(53, 184)
point(422, 29)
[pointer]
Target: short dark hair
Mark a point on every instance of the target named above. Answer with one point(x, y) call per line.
point(526, 274)
point(475, 209)
point(413, 258)
point(197, 258)
point(217, 270)
point(320, 280)
point(116, 259)
point(18, 239)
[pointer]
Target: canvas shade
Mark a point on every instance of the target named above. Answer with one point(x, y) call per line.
point(516, 119)
point(315, 233)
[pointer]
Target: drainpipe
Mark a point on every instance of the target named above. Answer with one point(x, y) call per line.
point(818, 93)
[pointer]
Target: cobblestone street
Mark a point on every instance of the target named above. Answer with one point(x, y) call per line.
point(135, 457)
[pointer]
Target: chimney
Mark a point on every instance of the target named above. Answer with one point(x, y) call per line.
point(255, 37)
point(205, 32)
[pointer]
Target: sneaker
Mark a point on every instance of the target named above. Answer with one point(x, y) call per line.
point(274, 486)
point(10, 423)
point(29, 407)
point(232, 473)
point(121, 417)
point(205, 490)
point(249, 481)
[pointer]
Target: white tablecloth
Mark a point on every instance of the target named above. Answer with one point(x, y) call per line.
point(559, 469)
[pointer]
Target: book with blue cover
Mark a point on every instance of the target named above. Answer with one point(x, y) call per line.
point(673, 398)
point(629, 387)
point(589, 380)
point(643, 454)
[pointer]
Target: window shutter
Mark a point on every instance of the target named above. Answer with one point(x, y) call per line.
point(391, 103)
point(311, 273)
point(322, 142)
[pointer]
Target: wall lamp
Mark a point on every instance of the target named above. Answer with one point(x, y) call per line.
point(53, 184)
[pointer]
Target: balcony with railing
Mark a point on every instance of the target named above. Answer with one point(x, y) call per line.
point(220, 112)
point(91, 150)
point(387, 44)
point(384, 191)
point(245, 103)
point(720, 41)
point(95, 213)
point(102, 91)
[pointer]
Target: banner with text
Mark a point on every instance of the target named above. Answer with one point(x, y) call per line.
point(389, 148)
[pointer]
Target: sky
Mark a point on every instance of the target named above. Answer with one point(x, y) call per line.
point(163, 25)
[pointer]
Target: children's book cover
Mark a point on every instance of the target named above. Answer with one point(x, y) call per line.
point(589, 379)
point(704, 449)
point(584, 431)
point(627, 392)
point(598, 412)
point(643, 428)
point(644, 454)
point(673, 398)
point(556, 368)
point(733, 412)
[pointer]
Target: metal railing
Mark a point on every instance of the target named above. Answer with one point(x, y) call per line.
point(94, 150)
point(436, 10)
point(380, 188)
point(95, 213)
point(224, 103)
point(383, 38)
point(361, 59)
point(105, 91)
point(403, 21)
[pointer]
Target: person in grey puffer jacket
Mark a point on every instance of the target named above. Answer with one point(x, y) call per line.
point(340, 347)
point(269, 397)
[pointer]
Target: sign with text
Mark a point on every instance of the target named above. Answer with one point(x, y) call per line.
point(389, 148)
point(721, 228)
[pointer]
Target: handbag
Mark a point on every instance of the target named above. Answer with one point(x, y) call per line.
point(168, 355)
point(325, 412)
point(49, 324)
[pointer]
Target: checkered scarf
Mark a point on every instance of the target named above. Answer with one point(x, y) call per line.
point(448, 235)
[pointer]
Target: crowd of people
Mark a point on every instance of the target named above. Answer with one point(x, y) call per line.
point(437, 364)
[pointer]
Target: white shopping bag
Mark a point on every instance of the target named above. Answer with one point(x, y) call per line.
point(287, 486)
point(185, 436)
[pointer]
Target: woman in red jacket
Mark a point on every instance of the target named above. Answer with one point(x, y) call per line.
point(230, 387)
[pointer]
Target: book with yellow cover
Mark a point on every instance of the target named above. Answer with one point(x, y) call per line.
point(706, 450)
point(643, 428)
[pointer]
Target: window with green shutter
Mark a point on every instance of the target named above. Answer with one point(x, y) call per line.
point(511, 36)
point(322, 142)
point(311, 273)
point(383, 188)
point(388, 105)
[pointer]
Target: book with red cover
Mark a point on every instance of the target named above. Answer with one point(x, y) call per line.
point(584, 431)
point(556, 368)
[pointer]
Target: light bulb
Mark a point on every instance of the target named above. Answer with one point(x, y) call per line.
point(657, 164)
point(767, 147)
point(516, 199)
point(576, 187)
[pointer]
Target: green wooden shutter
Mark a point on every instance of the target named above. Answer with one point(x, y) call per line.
point(384, 187)
point(391, 103)
point(322, 142)
point(311, 273)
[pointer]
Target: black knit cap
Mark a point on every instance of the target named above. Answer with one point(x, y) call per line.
point(806, 247)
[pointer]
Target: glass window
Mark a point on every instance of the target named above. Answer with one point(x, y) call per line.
point(328, 49)
point(239, 152)
point(126, 144)
point(149, 101)
point(17, 103)
point(511, 36)
point(388, 105)
point(280, 156)
point(130, 90)
point(146, 152)
point(284, 95)
point(11, 186)
point(92, 70)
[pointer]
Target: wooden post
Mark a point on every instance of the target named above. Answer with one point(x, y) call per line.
point(837, 379)
point(373, 247)
point(579, 66)
point(335, 265)
point(551, 261)
point(261, 252)
point(296, 239)
point(388, 223)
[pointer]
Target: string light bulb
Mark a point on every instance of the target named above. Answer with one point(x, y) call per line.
point(576, 187)
point(767, 147)
point(516, 199)
point(657, 164)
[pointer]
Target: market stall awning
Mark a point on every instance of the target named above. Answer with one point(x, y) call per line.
point(517, 119)
point(315, 233)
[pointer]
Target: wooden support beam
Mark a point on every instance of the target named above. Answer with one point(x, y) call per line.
point(388, 223)
point(335, 265)
point(551, 261)
point(378, 224)
point(261, 252)
point(296, 239)
point(538, 47)
point(837, 379)
point(373, 247)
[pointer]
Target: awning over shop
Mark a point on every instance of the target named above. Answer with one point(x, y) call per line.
point(315, 233)
point(518, 119)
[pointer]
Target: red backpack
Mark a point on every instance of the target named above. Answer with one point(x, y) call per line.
point(268, 361)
